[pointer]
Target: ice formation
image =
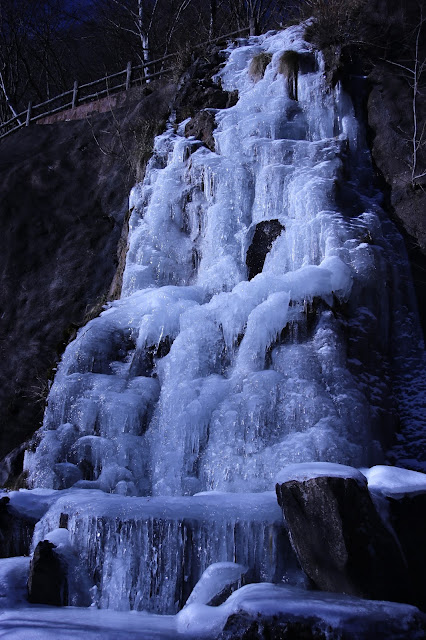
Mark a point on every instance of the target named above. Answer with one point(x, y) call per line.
point(201, 379)
point(148, 553)
point(308, 470)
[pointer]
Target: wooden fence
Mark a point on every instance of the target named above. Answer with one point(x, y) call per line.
point(131, 76)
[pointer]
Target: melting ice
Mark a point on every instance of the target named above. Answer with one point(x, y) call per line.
point(201, 379)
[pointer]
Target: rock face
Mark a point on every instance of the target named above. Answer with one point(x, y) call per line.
point(63, 200)
point(391, 120)
point(265, 234)
point(47, 582)
point(242, 626)
point(341, 541)
point(199, 91)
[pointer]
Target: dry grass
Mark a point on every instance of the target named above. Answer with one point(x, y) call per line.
point(337, 22)
point(289, 66)
point(258, 65)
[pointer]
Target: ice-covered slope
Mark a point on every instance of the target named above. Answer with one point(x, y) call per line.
point(201, 379)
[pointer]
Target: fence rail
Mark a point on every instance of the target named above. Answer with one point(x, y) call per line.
point(79, 95)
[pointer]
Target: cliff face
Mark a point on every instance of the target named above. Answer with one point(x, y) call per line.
point(396, 60)
point(63, 199)
point(390, 117)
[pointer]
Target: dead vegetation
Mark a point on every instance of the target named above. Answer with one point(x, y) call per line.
point(258, 65)
point(289, 67)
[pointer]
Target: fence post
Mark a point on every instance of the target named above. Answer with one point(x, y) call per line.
point(128, 75)
point(28, 120)
point(74, 95)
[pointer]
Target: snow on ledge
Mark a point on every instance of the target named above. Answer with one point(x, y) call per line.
point(308, 470)
point(395, 482)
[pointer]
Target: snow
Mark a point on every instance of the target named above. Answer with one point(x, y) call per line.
point(331, 610)
point(20, 620)
point(13, 581)
point(214, 580)
point(45, 623)
point(395, 482)
point(309, 470)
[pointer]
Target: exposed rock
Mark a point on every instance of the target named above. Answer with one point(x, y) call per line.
point(243, 626)
point(340, 540)
point(47, 582)
point(265, 234)
point(201, 126)
point(144, 359)
point(389, 115)
point(391, 122)
point(199, 91)
point(16, 531)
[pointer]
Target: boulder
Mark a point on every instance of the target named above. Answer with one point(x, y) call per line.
point(47, 582)
point(340, 540)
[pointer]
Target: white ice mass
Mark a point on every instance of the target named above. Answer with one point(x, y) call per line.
point(201, 380)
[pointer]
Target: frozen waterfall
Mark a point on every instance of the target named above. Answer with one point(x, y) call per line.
point(266, 318)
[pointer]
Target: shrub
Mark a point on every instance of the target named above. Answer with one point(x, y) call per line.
point(337, 22)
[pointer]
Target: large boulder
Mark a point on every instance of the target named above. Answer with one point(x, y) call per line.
point(47, 582)
point(339, 537)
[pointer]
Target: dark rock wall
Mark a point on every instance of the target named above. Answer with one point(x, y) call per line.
point(391, 123)
point(390, 119)
point(63, 200)
point(340, 540)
